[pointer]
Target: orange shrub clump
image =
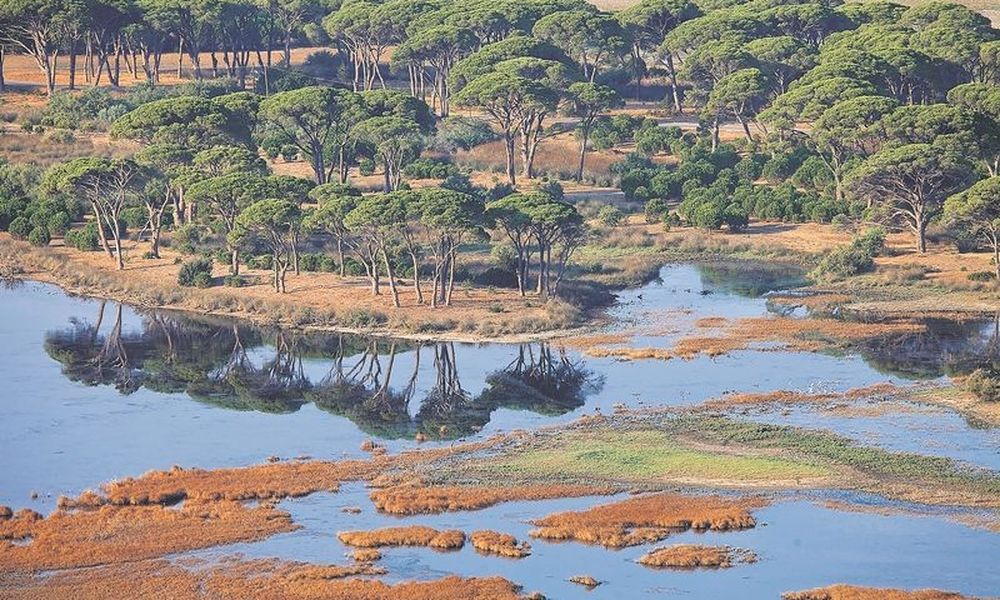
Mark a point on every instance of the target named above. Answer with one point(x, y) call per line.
point(112, 534)
point(413, 535)
point(258, 482)
point(689, 556)
point(249, 579)
point(492, 542)
point(647, 519)
point(366, 555)
point(851, 592)
point(409, 500)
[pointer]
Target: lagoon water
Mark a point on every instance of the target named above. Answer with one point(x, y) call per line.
point(94, 391)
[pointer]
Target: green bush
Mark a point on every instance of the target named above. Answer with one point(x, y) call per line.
point(428, 168)
point(187, 238)
point(39, 236)
point(85, 239)
point(195, 273)
point(20, 228)
point(982, 276)
point(984, 384)
point(315, 262)
point(654, 210)
point(366, 166)
point(234, 281)
point(58, 223)
point(134, 218)
point(611, 216)
point(853, 259)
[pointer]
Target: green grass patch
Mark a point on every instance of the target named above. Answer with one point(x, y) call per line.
point(647, 455)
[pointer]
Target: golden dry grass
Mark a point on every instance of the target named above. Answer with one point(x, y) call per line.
point(366, 555)
point(257, 482)
point(690, 556)
point(647, 519)
point(502, 544)
point(411, 535)
point(879, 390)
point(851, 592)
point(115, 535)
point(409, 500)
point(240, 579)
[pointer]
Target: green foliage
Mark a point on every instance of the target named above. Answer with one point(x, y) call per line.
point(984, 383)
point(429, 168)
point(853, 259)
point(39, 236)
point(85, 239)
point(462, 133)
point(611, 216)
point(195, 272)
point(20, 228)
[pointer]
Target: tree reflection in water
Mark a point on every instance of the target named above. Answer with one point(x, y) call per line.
point(239, 367)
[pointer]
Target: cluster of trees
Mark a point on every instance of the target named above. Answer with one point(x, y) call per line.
point(239, 35)
point(201, 167)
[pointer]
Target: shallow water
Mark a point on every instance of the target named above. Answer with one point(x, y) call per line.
point(800, 545)
point(94, 391)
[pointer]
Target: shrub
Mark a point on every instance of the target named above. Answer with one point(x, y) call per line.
point(234, 281)
point(186, 238)
point(462, 133)
point(428, 168)
point(57, 223)
point(984, 384)
point(85, 239)
point(189, 275)
point(853, 259)
point(611, 216)
point(655, 209)
point(981, 276)
point(20, 228)
point(39, 236)
point(366, 166)
point(134, 218)
point(203, 280)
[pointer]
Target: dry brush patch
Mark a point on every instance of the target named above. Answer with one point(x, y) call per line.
point(791, 397)
point(256, 482)
point(851, 592)
point(410, 500)
point(412, 535)
point(239, 579)
point(503, 544)
point(648, 519)
point(115, 535)
point(690, 556)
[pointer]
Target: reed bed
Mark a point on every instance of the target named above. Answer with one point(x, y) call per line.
point(851, 592)
point(691, 556)
point(413, 535)
point(409, 500)
point(647, 519)
point(118, 535)
point(502, 544)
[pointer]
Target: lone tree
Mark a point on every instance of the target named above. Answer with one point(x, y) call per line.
point(911, 182)
point(589, 100)
point(977, 212)
point(315, 120)
point(274, 224)
point(109, 185)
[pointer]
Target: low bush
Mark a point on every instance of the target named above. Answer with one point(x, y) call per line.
point(85, 239)
point(194, 272)
point(429, 168)
point(611, 216)
point(853, 259)
point(39, 236)
point(984, 384)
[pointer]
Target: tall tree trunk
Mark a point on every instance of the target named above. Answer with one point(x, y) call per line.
point(72, 63)
point(392, 279)
point(416, 277)
point(509, 148)
point(583, 152)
